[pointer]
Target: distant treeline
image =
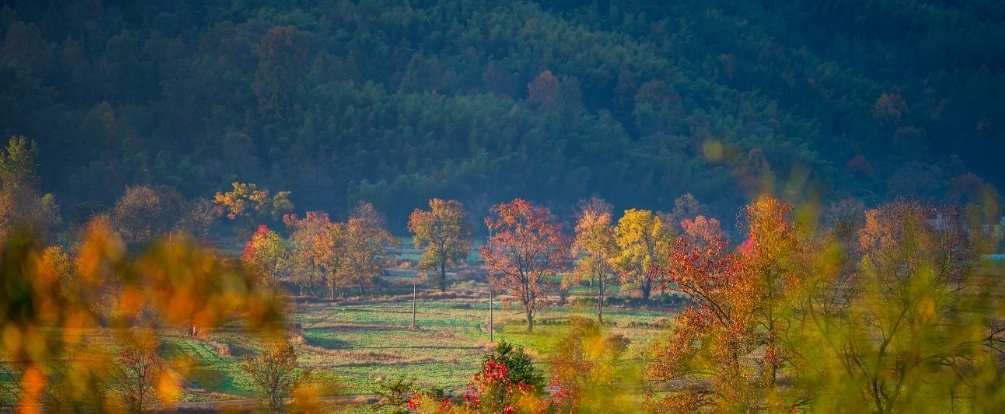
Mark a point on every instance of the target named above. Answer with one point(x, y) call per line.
point(396, 103)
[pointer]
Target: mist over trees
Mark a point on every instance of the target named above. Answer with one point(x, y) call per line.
point(394, 104)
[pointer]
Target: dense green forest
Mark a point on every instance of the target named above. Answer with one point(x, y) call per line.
point(396, 102)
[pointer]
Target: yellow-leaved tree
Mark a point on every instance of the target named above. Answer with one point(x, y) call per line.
point(914, 327)
point(645, 241)
point(445, 233)
point(251, 205)
point(595, 249)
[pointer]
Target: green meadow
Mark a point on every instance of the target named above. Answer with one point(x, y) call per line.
point(362, 342)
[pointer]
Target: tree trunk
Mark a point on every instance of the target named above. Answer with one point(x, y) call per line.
point(600, 300)
point(310, 280)
point(647, 287)
point(443, 276)
point(530, 320)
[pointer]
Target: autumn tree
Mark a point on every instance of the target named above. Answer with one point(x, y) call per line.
point(644, 241)
point(144, 212)
point(135, 212)
point(365, 249)
point(252, 205)
point(595, 249)
point(329, 255)
point(264, 255)
point(888, 108)
point(596, 205)
point(302, 254)
point(687, 207)
point(772, 260)
point(22, 206)
point(703, 228)
point(707, 347)
point(526, 249)
point(281, 71)
point(140, 369)
point(179, 283)
point(912, 327)
point(197, 219)
point(20, 202)
point(62, 266)
point(275, 372)
point(316, 248)
point(506, 383)
point(445, 234)
point(588, 366)
point(736, 332)
point(503, 369)
point(544, 90)
point(18, 162)
point(789, 322)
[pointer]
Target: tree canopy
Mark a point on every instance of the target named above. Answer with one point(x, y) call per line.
point(392, 104)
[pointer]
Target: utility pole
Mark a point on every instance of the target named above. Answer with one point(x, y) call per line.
point(414, 326)
point(491, 327)
point(488, 242)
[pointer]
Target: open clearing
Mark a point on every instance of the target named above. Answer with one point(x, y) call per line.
point(361, 342)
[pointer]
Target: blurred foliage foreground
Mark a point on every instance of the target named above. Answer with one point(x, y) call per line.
point(58, 312)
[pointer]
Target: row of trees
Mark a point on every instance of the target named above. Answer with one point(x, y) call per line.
point(527, 252)
point(900, 314)
point(320, 253)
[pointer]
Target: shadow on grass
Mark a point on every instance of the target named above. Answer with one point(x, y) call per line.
point(313, 339)
point(216, 380)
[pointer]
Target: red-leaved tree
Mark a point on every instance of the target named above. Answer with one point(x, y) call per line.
point(526, 253)
point(729, 349)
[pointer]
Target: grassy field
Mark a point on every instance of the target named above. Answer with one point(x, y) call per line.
point(361, 342)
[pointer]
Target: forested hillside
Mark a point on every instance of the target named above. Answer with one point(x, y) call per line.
point(397, 102)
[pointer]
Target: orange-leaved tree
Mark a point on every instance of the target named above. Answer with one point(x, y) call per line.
point(445, 233)
point(315, 250)
point(264, 255)
point(366, 247)
point(772, 258)
point(703, 228)
point(527, 248)
point(50, 315)
point(728, 349)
